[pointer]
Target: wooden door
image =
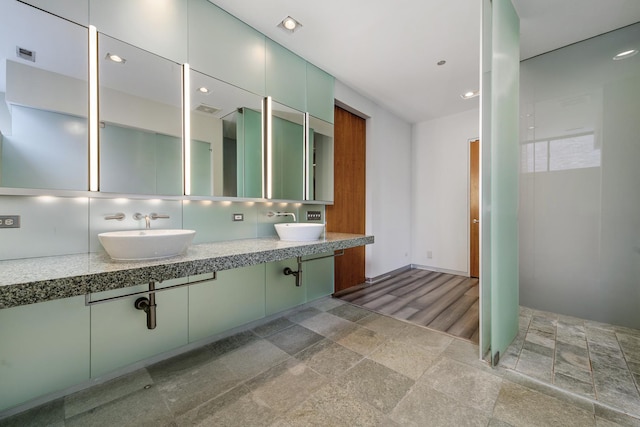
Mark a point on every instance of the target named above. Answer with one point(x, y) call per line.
point(347, 214)
point(474, 208)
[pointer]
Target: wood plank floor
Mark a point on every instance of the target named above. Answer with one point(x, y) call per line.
point(440, 301)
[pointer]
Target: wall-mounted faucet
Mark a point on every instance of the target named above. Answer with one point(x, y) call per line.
point(147, 218)
point(271, 213)
point(119, 216)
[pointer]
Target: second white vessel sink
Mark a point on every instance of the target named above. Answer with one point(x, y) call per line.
point(299, 232)
point(137, 245)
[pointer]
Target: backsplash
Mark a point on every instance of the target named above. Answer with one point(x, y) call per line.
point(69, 225)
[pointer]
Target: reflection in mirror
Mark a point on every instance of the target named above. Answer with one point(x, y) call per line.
point(226, 139)
point(43, 100)
point(287, 157)
point(140, 120)
point(320, 160)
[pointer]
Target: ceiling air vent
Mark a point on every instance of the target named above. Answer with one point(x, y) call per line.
point(27, 54)
point(207, 109)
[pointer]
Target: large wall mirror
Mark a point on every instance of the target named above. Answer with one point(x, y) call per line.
point(44, 97)
point(140, 120)
point(43, 100)
point(226, 139)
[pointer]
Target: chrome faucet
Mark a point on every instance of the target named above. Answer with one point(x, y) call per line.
point(271, 213)
point(148, 218)
point(119, 216)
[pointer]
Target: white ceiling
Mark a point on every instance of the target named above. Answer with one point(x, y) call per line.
point(388, 50)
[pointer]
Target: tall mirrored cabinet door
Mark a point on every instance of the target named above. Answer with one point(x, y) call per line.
point(43, 100)
point(140, 120)
point(226, 139)
point(319, 166)
point(287, 153)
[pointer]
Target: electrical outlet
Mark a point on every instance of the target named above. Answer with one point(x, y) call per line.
point(314, 215)
point(238, 217)
point(429, 254)
point(9, 221)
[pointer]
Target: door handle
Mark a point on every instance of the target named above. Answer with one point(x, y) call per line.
point(476, 221)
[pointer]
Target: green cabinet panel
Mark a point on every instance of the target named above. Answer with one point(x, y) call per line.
point(43, 348)
point(281, 291)
point(73, 10)
point(318, 276)
point(119, 334)
point(285, 76)
point(320, 95)
point(158, 28)
point(234, 298)
point(224, 47)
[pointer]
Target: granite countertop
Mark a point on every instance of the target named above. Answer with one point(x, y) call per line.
point(33, 280)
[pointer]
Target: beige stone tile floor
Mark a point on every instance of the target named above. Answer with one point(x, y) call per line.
point(334, 364)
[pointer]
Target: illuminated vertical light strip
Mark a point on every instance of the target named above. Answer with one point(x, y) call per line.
point(186, 128)
point(94, 146)
point(307, 153)
point(267, 150)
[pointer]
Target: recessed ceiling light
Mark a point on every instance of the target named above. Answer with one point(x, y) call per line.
point(115, 58)
point(289, 24)
point(203, 89)
point(626, 54)
point(470, 94)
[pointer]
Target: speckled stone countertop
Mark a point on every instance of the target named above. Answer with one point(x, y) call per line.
point(32, 280)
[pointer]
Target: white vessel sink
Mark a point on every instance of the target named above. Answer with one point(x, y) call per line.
point(136, 245)
point(299, 232)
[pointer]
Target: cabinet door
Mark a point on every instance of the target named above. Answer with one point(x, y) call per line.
point(73, 10)
point(158, 28)
point(282, 292)
point(285, 76)
point(224, 47)
point(119, 334)
point(320, 97)
point(318, 277)
point(43, 348)
point(234, 298)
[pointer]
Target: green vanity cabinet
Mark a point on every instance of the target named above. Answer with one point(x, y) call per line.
point(320, 93)
point(285, 76)
point(234, 298)
point(161, 28)
point(119, 333)
point(281, 290)
point(74, 10)
point(222, 46)
point(318, 276)
point(44, 348)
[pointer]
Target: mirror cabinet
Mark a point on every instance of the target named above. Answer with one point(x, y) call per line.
point(43, 100)
point(226, 139)
point(140, 104)
point(44, 122)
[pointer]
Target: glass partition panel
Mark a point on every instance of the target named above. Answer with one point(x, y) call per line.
point(226, 139)
point(43, 100)
point(140, 120)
